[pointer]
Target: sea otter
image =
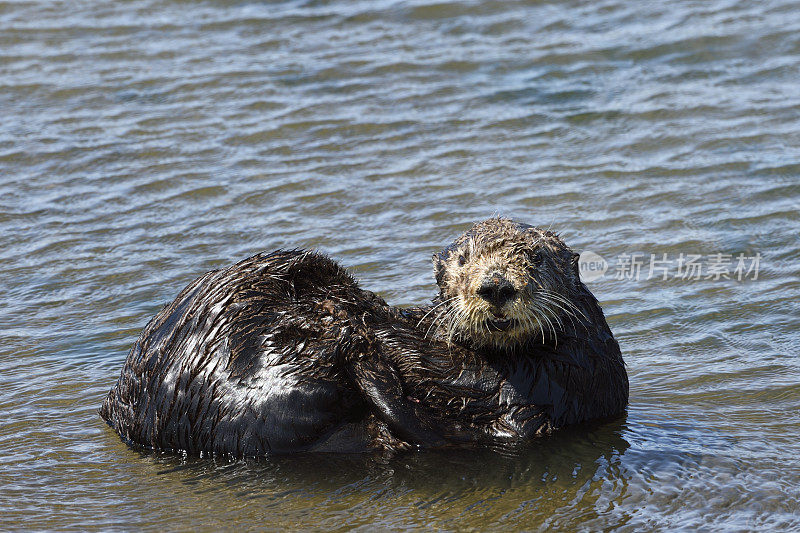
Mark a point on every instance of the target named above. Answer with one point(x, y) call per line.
point(283, 352)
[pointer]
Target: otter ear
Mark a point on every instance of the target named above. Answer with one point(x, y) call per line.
point(576, 265)
point(438, 267)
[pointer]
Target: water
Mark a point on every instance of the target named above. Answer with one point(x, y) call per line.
point(143, 143)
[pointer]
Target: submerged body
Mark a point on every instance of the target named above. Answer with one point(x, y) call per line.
point(283, 352)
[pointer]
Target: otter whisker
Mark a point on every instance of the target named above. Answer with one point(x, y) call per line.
point(552, 314)
point(458, 329)
point(562, 299)
point(568, 307)
point(535, 314)
point(552, 327)
point(474, 321)
point(455, 317)
point(570, 310)
point(436, 322)
point(529, 318)
point(432, 309)
point(543, 314)
point(451, 327)
point(555, 300)
point(444, 320)
point(569, 314)
point(547, 322)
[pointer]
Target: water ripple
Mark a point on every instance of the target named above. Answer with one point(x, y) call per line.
point(144, 143)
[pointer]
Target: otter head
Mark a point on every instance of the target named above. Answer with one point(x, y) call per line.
point(504, 284)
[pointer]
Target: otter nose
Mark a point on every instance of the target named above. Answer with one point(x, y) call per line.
point(497, 290)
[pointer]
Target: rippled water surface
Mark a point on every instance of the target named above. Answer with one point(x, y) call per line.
point(145, 142)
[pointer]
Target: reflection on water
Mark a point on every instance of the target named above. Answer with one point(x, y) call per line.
point(467, 487)
point(143, 143)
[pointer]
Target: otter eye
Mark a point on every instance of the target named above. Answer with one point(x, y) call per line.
point(537, 258)
point(461, 260)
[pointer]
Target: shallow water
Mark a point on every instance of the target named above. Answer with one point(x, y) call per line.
point(145, 142)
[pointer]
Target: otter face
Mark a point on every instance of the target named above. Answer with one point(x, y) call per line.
point(504, 283)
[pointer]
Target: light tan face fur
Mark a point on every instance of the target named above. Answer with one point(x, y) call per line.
point(539, 266)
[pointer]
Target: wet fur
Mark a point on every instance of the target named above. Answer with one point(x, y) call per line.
point(283, 352)
point(543, 270)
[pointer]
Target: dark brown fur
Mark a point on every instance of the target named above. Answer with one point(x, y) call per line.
point(283, 352)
